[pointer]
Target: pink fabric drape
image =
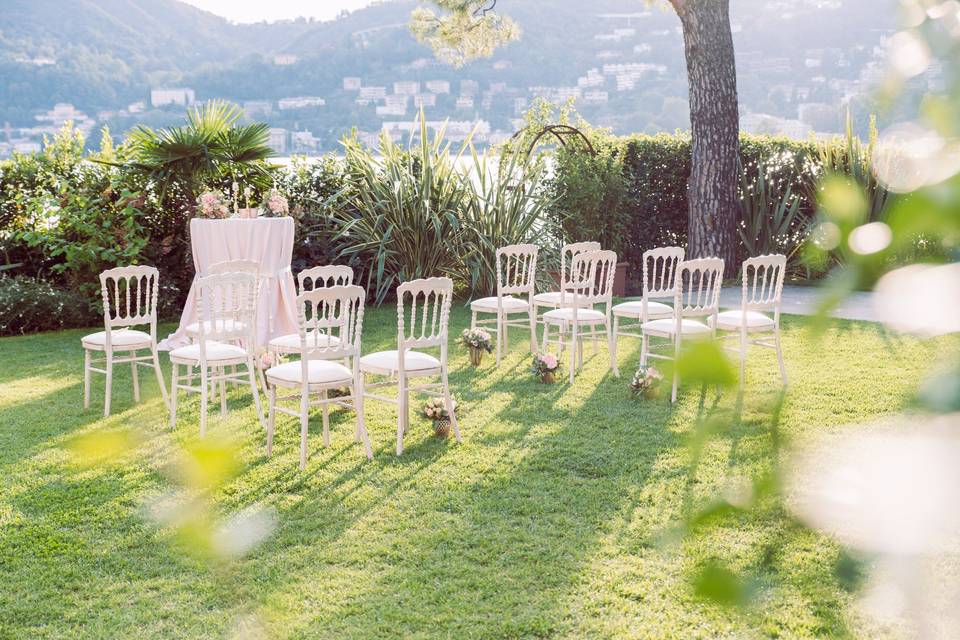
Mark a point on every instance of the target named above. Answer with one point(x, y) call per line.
point(269, 242)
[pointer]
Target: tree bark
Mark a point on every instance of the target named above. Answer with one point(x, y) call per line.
point(715, 125)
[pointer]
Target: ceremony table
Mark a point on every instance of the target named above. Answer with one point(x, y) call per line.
point(268, 242)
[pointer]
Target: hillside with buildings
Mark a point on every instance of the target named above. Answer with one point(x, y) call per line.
point(620, 62)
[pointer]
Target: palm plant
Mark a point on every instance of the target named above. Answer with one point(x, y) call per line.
point(404, 222)
point(210, 150)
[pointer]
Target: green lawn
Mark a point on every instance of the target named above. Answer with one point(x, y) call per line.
point(548, 521)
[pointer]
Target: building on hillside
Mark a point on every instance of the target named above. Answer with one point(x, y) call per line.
point(438, 86)
point(182, 96)
point(277, 140)
point(596, 97)
point(502, 65)
point(137, 107)
point(300, 102)
point(352, 83)
point(63, 112)
point(425, 100)
point(469, 88)
point(465, 102)
point(285, 59)
point(406, 88)
point(373, 93)
point(255, 108)
point(304, 142)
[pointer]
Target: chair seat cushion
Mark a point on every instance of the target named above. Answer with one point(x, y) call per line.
point(733, 320)
point(668, 326)
point(291, 341)
point(553, 299)
point(510, 304)
point(389, 361)
point(634, 309)
point(215, 351)
point(226, 326)
point(318, 372)
point(119, 338)
point(566, 315)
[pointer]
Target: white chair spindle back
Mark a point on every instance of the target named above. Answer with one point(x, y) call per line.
point(698, 287)
point(660, 271)
point(516, 269)
point(591, 279)
point(763, 282)
point(227, 305)
point(326, 276)
point(571, 251)
point(423, 313)
point(130, 297)
point(338, 312)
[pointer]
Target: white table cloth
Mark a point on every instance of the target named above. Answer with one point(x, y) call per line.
point(269, 242)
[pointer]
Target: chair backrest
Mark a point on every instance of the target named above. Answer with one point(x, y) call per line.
point(516, 269)
point(660, 271)
point(336, 312)
point(569, 252)
point(234, 266)
point(226, 307)
point(327, 276)
point(423, 313)
point(763, 281)
point(130, 297)
point(591, 280)
point(698, 287)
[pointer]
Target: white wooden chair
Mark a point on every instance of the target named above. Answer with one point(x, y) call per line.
point(697, 296)
point(310, 280)
point(659, 282)
point(225, 306)
point(129, 300)
point(516, 274)
point(590, 284)
point(336, 311)
point(551, 299)
point(762, 291)
point(423, 316)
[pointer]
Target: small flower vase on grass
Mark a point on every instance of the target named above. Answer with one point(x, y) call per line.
point(477, 341)
point(646, 383)
point(436, 410)
point(267, 359)
point(545, 367)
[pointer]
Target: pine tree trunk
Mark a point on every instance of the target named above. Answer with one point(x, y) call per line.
point(714, 119)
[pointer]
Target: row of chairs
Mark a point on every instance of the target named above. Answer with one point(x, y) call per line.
point(330, 326)
point(681, 300)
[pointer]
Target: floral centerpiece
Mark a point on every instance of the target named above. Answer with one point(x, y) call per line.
point(436, 410)
point(646, 383)
point(210, 204)
point(477, 341)
point(276, 205)
point(545, 367)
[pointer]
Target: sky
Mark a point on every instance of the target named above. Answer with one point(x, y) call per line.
point(258, 10)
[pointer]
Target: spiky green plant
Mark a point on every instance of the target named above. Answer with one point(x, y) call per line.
point(404, 222)
point(771, 219)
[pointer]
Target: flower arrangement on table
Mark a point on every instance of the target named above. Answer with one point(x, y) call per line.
point(276, 205)
point(545, 367)
point(477, 341)
point(436, 410)
point(211, 204)
point(646, 383)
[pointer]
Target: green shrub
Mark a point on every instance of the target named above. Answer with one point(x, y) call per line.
point(28, 305)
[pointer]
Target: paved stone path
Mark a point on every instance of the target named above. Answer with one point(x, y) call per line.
point(803, 301)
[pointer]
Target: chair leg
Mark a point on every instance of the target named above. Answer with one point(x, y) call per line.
point(304, 426)
point(644, 346)
point(676, 374)
point(448, 401)
point(506, 333)
point(783, 368)
point(174, 379)
point(500, 328)
point(743, 357)
point(473, 319)
point(222, 371)
point(86, 378)
point(533, 330)
point(613, 347)
point(255, 391)
point(326, 418)
point(361, 420)
point(401, 411)
point(109, 386)
point(358, 390)
point(546, 336)
point(159, 373)
point(204, 390)
point(136, 377)
point(271, 419)
point(574, 344)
